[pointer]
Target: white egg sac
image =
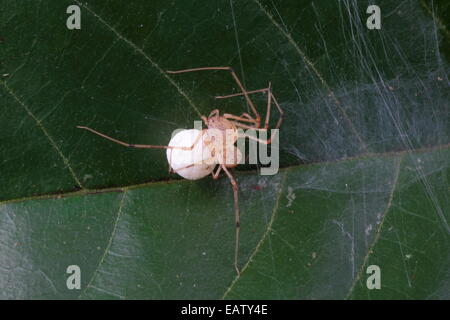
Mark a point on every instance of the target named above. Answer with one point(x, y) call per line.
point(190, 164)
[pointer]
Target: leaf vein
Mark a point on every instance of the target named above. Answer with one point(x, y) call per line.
point(377, 236)
point(46, 133)
point(263, 238)
point(108, 246)
point(142, 53)
point(311, 65)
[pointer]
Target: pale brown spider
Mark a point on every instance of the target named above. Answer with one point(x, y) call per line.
point(223, 125)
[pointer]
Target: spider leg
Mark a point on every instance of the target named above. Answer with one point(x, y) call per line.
point(269, 105)
point(239, 83)
point(268, 141)
point(247, 135)
point(245, 126)
point(232, 116)
point(215, 175)
point(270, 98)
point(280, 119)
point(237, 216)
point(240, 94)
point(145, 146)
point(246, 115)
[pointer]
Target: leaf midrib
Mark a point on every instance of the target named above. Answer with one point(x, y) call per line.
point(155, 183)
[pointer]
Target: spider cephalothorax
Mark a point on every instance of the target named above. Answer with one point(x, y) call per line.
point(216, 121)
point(220, 136)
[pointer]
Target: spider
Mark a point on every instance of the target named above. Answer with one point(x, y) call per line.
point(223, 128)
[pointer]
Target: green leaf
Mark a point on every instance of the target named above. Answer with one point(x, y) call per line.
point(364, 150)
point(308, 232)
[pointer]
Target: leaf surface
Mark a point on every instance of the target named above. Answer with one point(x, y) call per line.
point(363, 149)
